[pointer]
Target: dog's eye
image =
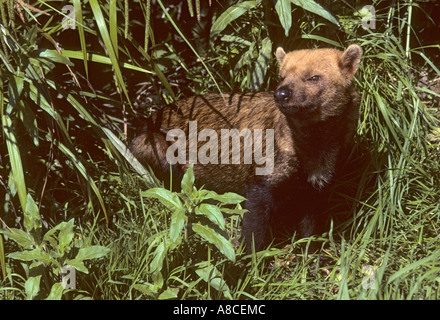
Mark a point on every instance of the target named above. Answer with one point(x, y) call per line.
point(315, 78)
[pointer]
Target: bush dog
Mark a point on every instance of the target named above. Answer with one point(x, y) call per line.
point(278, 149)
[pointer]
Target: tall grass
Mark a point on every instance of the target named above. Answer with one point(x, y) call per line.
point(68, 109)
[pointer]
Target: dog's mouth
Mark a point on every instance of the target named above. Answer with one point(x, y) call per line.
point(288, 102)
point(290, 108)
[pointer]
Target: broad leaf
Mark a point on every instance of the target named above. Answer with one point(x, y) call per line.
point(230, 15)
point(32, 286)
point(211, 275)
point(177, 223)
point(66, 234)
point(167, 198)
point(78, 265)
point(312, 6)
point(93, 252)
point(22, 238)
point(213, 213)
point(32, 218)
point(237, 211)
point(216, 239)
point(56, 292)
point(188, 181)
point(159, 254)
point(284, 11)
point(30, 255)
point(229, 198)
point(170, 293)
point(145, 289)
point(261, 65)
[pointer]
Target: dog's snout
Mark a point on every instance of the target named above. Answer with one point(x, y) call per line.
point(283, 95)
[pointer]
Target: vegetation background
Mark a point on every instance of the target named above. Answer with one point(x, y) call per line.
point(78, 79)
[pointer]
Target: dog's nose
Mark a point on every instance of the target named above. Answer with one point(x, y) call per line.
point(283, 95)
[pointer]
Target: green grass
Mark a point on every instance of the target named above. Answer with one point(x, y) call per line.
point(62, 157)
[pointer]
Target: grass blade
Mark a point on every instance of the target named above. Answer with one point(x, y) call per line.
point(112, 51)
point(12, 145)
point(82, 39)
point(82, 170)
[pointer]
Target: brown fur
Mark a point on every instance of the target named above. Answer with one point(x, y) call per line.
point(313, 118)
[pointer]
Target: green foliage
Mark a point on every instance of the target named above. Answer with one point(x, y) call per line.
point(230, 15)
point(194, 224)
point(45, 254)
point(69, 98)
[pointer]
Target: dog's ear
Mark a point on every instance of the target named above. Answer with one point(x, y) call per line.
point(350, 59)
point(280, 54)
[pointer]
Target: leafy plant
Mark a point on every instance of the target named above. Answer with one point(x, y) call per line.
point(46, 254)
point(194, 222)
